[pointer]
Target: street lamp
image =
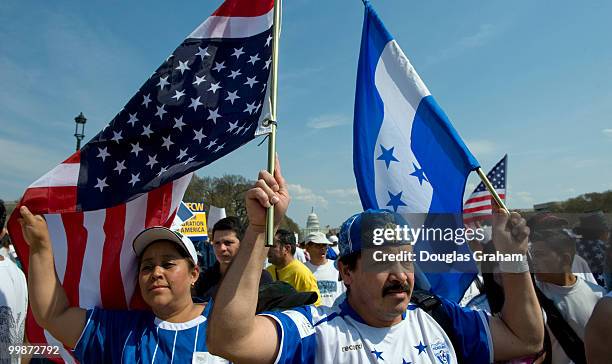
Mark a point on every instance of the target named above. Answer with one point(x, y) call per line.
point(80, 121)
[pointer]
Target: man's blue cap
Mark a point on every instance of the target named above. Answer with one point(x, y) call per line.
point(356, 232)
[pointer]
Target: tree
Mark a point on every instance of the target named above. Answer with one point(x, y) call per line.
point(228, 192)
point(593, 201)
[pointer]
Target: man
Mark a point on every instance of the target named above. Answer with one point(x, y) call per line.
point(13, 301)
point(288, 269)
point(375, 323)
point(226, 235)
point(334, 246)
point(323, 269)
point(598, 341)
point(546, 220)
point(568, 299)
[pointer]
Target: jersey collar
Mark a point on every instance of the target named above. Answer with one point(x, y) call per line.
point(347, 310)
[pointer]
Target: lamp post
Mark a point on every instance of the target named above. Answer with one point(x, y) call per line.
point(79, 129)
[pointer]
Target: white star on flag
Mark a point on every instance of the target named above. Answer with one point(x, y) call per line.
point(103, 153)
point(101, 183)
point(213, 115)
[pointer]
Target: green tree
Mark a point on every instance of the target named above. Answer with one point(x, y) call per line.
point(228, 192)
point(592, 201)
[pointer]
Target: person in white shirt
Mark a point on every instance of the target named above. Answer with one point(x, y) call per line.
point(376, 322)
point(13, 301)
point(553, 252)
point(323, 269)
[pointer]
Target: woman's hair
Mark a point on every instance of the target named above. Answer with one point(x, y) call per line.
point(181, 251)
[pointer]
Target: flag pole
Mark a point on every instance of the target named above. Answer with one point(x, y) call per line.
point(272, 121)
point(492, 190)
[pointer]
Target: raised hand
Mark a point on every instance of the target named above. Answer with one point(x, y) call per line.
point(510, 231)
point(34, 229)
point(268, 190)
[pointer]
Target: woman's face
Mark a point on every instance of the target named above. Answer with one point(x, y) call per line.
point(165, 277)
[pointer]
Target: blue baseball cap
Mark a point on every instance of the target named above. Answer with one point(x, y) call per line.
point(357, 232)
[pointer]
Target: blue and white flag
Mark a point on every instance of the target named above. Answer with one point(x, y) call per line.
point(407, 155)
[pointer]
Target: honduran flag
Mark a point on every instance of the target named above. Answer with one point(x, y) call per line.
point(407, 156)
point(207, 99)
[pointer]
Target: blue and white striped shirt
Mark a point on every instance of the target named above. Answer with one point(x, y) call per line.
point(311, 334)
point(140, 337)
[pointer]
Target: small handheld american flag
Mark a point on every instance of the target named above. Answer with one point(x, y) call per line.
point(478, 206)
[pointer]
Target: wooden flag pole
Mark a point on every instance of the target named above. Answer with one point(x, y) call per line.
point(272, 121)
point(491, 189)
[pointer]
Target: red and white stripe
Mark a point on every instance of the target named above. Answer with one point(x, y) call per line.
point(92, 250)
point(237, 19)
point(478, 207)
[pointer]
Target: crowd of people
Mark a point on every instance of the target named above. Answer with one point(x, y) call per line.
point(318, 301)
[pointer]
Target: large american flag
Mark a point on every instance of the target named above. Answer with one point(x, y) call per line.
point(478, 206)
point(209, 97)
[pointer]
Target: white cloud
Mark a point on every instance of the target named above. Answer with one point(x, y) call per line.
point(607, 132)
point(301, 193)
point(328, 121)
point(524, 198)
point(484, 35)
point(343, 192)
point(478, 39)
point(481, 147)
point(345, 196)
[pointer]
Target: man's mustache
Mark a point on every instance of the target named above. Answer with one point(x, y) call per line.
point(395, 288)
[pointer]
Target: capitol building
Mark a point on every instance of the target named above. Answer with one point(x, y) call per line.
point(313, 225)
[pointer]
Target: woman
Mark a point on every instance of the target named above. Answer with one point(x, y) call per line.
point(174, 330)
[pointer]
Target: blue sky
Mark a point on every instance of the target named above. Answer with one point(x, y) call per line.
point(529, 78)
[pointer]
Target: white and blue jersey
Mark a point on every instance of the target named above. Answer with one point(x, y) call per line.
point(338, 335)
point(140, 337)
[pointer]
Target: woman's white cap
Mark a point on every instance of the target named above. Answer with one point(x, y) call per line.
point(156, 233)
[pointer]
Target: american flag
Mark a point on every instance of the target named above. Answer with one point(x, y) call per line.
point(478, 206)
point(209, 97)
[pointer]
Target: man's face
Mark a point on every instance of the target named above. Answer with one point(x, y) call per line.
point(382, 293)
point(276, 252)
point(317, 252)
point(225, 244)
point(545, 260)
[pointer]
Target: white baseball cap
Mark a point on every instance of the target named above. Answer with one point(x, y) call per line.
point(317, 238)
point(156, 233)
point(333, 239)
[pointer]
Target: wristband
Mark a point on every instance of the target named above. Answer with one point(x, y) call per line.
point(519, 266)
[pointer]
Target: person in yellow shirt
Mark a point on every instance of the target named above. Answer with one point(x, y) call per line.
point(288, 269)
